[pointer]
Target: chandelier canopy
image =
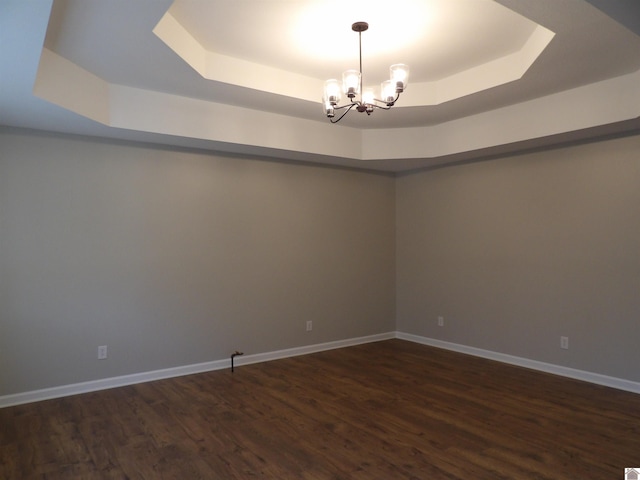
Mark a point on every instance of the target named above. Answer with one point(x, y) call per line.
point(352, 87)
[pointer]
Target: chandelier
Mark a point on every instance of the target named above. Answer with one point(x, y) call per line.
point(352, 87)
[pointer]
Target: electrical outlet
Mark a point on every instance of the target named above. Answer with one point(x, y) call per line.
point(441, 321)
point(102, 352)
point(309, 325)
point(564, 342)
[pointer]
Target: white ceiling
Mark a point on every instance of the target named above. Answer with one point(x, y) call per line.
point(241, 76)
point(293, 36)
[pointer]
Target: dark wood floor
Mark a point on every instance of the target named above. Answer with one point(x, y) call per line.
point(387, 410)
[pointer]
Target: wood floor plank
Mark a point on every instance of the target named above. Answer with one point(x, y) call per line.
point(387, 410)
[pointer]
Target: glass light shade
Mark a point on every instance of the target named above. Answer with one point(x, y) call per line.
point(351, 83)
point(332, 91)
point(367, 97)
point(388, 92)
point(327, 107)
point(399, 76)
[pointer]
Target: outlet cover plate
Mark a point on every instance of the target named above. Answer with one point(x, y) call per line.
point(102, 352)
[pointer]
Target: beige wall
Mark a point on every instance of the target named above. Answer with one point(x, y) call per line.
point(516, 252)
point(174, 258)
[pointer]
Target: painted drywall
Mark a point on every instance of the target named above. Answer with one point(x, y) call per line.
point(175, 257)
point(516, 252)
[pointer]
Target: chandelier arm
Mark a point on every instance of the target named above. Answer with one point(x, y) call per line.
point(388, 104)
point(348, 105)
point(345, 112)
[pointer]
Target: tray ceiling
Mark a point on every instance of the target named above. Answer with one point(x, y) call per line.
point(245, 77)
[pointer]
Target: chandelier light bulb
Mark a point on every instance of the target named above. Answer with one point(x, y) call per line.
point(329, 111)
point(351, 83)
point(399, 76)
point(388, 92)
point(332, 91)
point(368, 98)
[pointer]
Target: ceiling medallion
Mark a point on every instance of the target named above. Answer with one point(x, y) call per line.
point(352, 87)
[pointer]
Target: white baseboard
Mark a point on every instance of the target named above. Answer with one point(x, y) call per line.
point(590, 377)
point(106, 383)
point(319, 347)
